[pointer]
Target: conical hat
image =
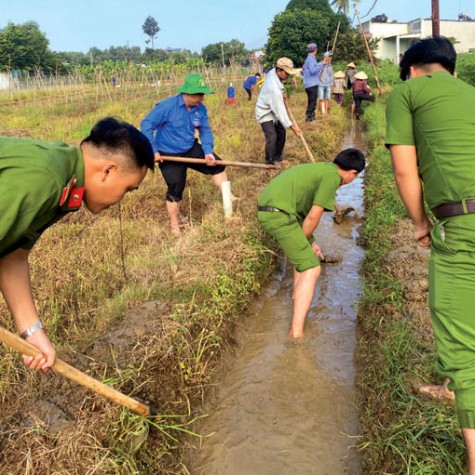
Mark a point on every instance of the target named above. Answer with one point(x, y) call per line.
point(351, 65)
point(339, 74)
point(361, 75)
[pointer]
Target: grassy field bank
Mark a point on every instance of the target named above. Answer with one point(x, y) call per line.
point(402, 432)
point(129, 303)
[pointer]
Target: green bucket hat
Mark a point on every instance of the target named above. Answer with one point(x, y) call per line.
point(194, 84)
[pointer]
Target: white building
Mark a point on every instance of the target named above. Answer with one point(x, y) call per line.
point(396, 38)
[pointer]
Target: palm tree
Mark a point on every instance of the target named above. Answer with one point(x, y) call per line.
point(341, 5)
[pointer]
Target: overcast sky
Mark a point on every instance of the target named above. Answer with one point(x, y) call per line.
point(191, 24)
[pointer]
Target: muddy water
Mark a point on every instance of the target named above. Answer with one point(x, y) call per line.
point(288, 407)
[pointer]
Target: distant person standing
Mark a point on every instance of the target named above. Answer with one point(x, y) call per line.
point(249, 83)
point(170, 128)
point(230, 99)
point(350, 75)
point(310, 72)
point(325, 82)
point(271, 112)
point(361, 91)
point(339, 87)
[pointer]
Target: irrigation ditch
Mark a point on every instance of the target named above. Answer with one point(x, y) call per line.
point(287, 406)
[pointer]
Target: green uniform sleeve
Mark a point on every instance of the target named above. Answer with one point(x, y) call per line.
point(399, 120)
point(326, 190)
point(26, 206)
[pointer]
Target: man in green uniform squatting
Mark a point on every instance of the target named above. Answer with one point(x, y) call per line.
point(290, 208)
point(431, 137)
point(41, 182)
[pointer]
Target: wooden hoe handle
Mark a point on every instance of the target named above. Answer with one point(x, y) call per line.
point(219, 162)
point(14, 341)
point(301, 137)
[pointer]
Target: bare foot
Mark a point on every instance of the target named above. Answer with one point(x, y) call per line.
point(438, 391)
point(295, 334)
point(175, 229)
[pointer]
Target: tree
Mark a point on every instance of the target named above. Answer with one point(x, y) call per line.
point(351, 47)
point(219, 53)
point(150, 28)
point(342, 5)
point(319, 5)
point(24, 46)
point(293, 29)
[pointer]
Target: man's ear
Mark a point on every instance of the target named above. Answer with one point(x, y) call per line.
point(107, 170)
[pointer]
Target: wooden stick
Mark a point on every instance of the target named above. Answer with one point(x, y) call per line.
point(370, 56)
point(301, 137)
point(336, 36)
point(74, 374)
point(219, 162)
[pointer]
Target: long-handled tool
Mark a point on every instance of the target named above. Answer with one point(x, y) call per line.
point(301, 137)
point(219, 162)
point(74, 374)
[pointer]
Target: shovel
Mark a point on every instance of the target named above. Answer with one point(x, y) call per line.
point(14, 341)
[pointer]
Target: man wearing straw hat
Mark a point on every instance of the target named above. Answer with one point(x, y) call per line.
point(40, 182)
point(271, 112)
point(171, 127)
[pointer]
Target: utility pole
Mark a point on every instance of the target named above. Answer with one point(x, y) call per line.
point(435, 18)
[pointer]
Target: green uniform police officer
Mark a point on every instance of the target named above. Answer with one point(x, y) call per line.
point(290, 208)
point(41, 182)
point(431, 137)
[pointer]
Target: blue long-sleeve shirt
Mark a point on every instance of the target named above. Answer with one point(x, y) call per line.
point(311, 70)
point(170, 126)
point(249, 82)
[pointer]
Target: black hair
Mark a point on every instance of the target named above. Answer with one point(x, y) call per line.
point(435, 49)
point(257, 74)
point(350, 159)
point(116, 136)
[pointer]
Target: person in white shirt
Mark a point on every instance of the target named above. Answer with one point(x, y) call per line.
point(271, 112)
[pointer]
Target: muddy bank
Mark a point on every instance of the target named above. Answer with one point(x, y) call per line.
point(407, 263)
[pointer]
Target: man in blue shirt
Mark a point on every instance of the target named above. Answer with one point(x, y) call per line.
point(170, 127)
point(311, 70)
point(249, 82)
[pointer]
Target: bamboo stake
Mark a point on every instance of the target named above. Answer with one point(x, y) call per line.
point(336, 36)
point(301, 137)
point(368, 50)
point(219, 162)
point(14, 341)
